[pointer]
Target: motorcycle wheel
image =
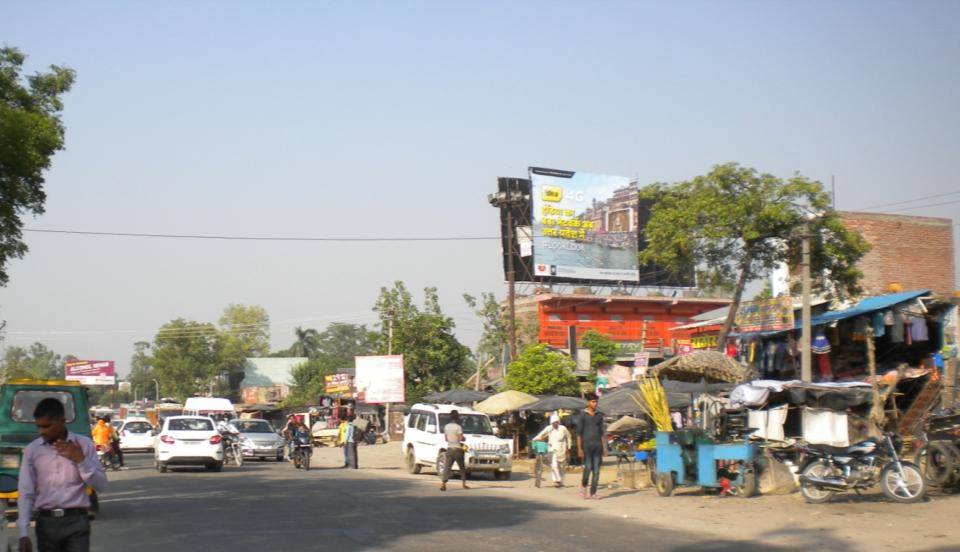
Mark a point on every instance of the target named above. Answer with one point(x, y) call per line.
point(238, 458)
point(937, 462)
point(812, 493)
point(296, 460)
point(910, 488)
point(441, 463)
point(306, 461)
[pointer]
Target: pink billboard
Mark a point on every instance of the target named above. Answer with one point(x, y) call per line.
point(91, 372)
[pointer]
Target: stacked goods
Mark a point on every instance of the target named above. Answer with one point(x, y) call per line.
point(652, 400)
point(709, 366)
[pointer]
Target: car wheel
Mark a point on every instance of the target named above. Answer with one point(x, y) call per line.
point(162, 467)
point(215, 467)
point(263, 458)
point(412, 465)
point(280, 458)
point(441, 462)
point(501, 475)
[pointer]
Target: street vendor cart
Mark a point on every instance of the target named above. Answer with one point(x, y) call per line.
point(688, 457)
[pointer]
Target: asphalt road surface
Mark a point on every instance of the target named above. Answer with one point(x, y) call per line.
point(273, 506)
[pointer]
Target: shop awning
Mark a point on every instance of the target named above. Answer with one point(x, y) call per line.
point(866, 306)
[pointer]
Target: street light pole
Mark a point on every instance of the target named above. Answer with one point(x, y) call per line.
point(806, 373)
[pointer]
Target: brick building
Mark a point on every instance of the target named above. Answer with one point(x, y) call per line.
point(636, 323)
point(906, 251)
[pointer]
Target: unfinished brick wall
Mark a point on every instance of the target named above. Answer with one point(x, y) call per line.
point(914, 252)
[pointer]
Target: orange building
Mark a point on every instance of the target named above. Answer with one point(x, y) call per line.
point(636, 323)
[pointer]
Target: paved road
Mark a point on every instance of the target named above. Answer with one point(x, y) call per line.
point(272, 506)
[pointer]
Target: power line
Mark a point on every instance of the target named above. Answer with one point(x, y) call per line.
point(262, 238)
point(925, 206)
point(907, 201)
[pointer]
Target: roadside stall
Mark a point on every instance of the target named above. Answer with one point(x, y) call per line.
point(506, 407)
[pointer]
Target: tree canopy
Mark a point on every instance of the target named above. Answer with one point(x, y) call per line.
point(736, 224)
point(31, 132)
point(538, 370)
point(603, 349)
point(35, 362)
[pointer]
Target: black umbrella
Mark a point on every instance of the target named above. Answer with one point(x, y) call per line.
point(457, 396)
point(556, 402)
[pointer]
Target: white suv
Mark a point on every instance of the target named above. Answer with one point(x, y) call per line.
point(424, 443)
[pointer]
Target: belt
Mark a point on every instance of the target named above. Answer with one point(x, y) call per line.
point(62, 512)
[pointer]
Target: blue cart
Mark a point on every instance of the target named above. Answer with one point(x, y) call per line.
point(688, 458)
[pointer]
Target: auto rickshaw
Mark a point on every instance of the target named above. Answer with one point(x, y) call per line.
point(18, 399)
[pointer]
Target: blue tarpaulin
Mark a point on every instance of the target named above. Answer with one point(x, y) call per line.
point(866, 306)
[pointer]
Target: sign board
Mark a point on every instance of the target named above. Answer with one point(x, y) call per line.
point(337, 383)
point(684, 348)
point(91, 372)
point(615, 375)
point(123, 387)
point(379, 379)
point(766, 315)
point(706, 341)
point(641, 360)
point(584, 225)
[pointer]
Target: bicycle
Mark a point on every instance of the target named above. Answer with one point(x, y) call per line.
point(540, 449)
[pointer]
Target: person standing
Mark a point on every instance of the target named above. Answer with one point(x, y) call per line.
point(54, 473)
point(342, 441)
point(557, 437)
point(453, 432)
point(350, 440)
point(590, 433)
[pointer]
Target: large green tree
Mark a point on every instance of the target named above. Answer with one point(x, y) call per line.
point(141, 371)
point(35, 362)
point(539, 370)
point(340, 342)
point(244, 333)
point(186, 358)
point(493, 340)
point(307, 381)
point(31, 132)
point(434, 359)
point(736, 224)
point(603, 349)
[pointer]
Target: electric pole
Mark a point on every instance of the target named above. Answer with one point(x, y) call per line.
point(806, 373)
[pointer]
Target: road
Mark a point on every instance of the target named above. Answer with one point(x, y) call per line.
point(272, 506)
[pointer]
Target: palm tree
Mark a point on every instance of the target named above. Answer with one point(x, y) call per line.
point(306, 344)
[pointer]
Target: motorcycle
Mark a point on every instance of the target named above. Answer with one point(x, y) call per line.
point(829, 470)
point(108, 459)
point(302, 451)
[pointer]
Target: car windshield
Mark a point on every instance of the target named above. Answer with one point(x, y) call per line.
point(24, 402)
point(254, 426)
point(190, 424)
point(477, 424)
point(137, 427)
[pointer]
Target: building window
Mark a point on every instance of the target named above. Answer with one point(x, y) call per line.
point(554, 318)
point(616, 318)
point(583, 317)
point(648, 318)
point(680, 321)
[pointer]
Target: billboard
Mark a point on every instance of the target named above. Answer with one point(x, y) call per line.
point(765, 315)
point(584, 225)
point(91, 372)
point(379, 379)
point(335, 384)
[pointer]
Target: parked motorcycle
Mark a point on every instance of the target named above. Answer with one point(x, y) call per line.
point(302, 451)
point(938, 448)
point(829, 470)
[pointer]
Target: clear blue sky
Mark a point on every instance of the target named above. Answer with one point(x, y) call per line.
point(395, 118)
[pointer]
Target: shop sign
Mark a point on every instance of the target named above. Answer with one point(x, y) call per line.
point(626, 348)
point(337, 383)
point(704, 342)
point(766, 315)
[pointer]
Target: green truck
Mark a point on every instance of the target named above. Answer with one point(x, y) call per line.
point(18, 398)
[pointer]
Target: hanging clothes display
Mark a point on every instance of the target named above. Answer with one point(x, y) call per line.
point(896, 329)
point(879, 328)
point(918, 329)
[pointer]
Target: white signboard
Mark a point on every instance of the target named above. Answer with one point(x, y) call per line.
point(379, 379)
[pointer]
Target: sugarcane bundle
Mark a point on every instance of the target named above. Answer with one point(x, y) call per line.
point(652, 400)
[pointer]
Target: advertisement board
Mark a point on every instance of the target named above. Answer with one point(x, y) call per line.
point(90, 372)
point(584, 225)
point(379, 379)
point(766, 315)
point(337, 383)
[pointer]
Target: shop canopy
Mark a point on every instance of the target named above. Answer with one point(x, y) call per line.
point(866, 306)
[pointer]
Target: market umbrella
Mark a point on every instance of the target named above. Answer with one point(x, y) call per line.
point(626, 424)
point(457, 396)
point(712, 366)
point(556, 402)
point(507, 401)
point(619, 401)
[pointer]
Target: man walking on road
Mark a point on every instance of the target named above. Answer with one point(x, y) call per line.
point(54, 473)
point(454, 435)
point(350, 443)
point(590, 431)
point(558, 443)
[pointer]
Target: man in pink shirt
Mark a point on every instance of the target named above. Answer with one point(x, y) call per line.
point(54, 473)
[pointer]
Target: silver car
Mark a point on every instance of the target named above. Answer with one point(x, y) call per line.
point(258, 439)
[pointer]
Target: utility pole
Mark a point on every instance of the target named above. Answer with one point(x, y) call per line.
point(806, 373)
point(390, 331)
point(158, 390)
point(511, 283)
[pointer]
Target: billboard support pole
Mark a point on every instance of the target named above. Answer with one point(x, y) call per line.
point(511, 284)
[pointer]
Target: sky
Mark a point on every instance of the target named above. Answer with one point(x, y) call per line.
point(394, 119)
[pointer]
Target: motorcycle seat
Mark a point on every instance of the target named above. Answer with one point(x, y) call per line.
point(854, 449)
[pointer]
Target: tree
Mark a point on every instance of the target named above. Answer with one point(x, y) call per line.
point(737, 224)
point(244, 333)
point(603, 350)
point(31, 131)
point(186, 357)
point(307, 381)
point(340, 342)
point(493, 340)
point(141, 370)
point(539, 370)
point(35, 362)
point(433, 358)
point(304, 345)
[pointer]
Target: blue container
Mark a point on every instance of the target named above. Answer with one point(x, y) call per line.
point(640, 455)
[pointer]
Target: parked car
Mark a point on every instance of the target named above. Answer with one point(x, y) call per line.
point(188, 441)
point(136, 434)
point(258, 439)
point(424, 443)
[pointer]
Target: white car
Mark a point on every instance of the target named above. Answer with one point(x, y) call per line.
point(136, 434)
point(424, 443)
point(188, 441)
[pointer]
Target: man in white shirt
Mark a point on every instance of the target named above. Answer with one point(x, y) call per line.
point(557, 437)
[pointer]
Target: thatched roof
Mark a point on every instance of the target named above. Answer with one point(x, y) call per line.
point(713, 366)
